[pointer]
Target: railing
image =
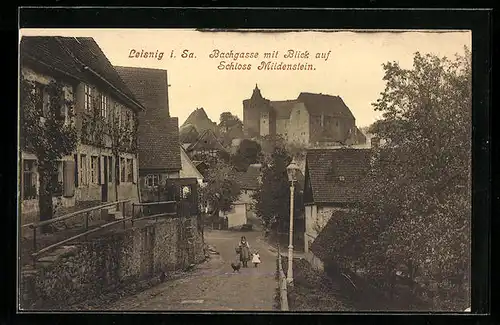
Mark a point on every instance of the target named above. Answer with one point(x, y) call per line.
point(47, 223)
point(137, 209)
point(282, 284)
point(140, 209)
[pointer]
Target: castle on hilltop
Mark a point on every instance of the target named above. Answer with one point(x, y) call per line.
point(310, 119)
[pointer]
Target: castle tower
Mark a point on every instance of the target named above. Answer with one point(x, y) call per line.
point(252, 109)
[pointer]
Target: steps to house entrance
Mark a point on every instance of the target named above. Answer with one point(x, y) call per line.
point(111, 213)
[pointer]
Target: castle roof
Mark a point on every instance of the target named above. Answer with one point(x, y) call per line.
point(327, 105)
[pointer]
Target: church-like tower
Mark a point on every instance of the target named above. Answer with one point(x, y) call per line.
point(258, 116)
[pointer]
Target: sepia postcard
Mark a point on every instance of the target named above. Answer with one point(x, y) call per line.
point(244, 170)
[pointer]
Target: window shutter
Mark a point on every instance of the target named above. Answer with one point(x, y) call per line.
point(76, 174)
point(88, 168)
point(101, 169)
point(68, 178)
point(111, 168)
point(119, 171)
point(134, 170)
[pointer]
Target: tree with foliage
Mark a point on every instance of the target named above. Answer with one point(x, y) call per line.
point(228, 121)
point(272, 199)
point(48, 130)
point(248, 152)
point(230, 128)
point(416, 212)
point(222, 188)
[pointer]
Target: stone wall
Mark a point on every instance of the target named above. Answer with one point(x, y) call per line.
point(74, 274)
point(282, 126)
point(298, 129)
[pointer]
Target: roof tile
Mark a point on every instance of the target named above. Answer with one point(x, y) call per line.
point(326, 167)
point(68, 54)
point(249, 180)
point(208, 141)
point(158, 132)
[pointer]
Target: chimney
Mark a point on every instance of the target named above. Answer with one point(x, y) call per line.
point(375, 142)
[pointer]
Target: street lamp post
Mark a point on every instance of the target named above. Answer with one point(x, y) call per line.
point(292, 171)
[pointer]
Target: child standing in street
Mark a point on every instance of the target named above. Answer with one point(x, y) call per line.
point(256, 259)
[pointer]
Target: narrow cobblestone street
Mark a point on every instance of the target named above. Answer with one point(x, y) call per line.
point(213, 285)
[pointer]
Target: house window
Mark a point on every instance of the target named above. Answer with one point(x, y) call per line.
point(123, 169)
point(41, 98)
point(152, 181)
point(84, 170)
point(89, 97)
point(130, 169)
point(341, 178)
point(94, 170)
point(104, 106)
point(29, 179)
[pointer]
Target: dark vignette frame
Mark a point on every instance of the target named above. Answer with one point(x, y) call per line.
point(479, 21)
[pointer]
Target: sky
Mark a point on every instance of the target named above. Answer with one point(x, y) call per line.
point(349, 66)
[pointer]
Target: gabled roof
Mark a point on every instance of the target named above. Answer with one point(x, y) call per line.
point(283, 108)
point(186, 160)
point(158, 135)
point(200, 120)
point(77, 57)
point(159, 144)
point(317, 104)
point(198, 163)
point(249, 180)
point(188, 133)
point(207, 140)
point(324, 167)
point(149, 86)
